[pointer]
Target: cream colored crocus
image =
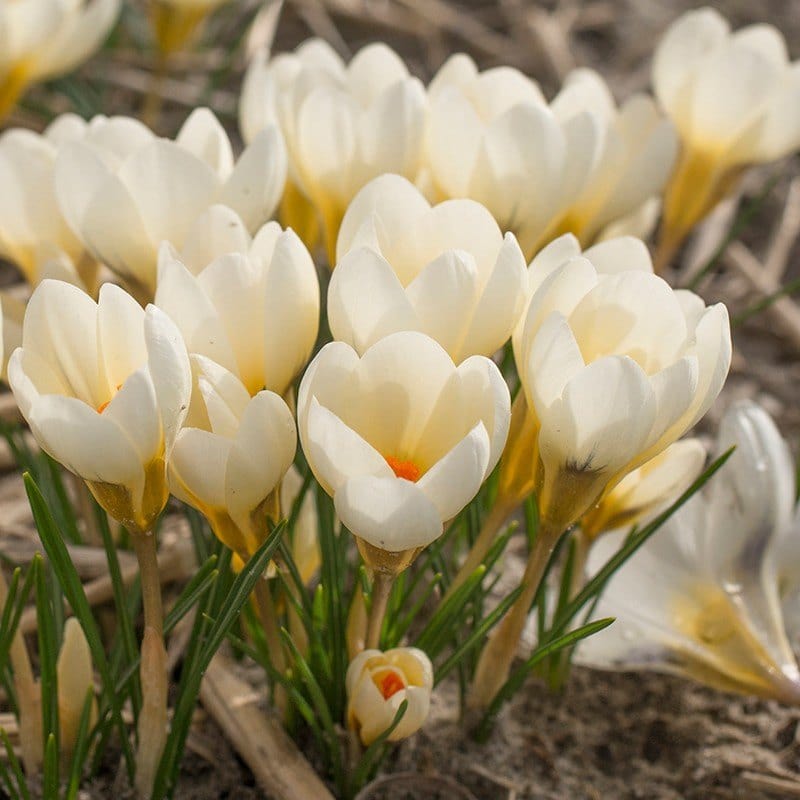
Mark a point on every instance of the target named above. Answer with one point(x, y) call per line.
point(104, 387)
point(646, 490)
point(708, 596)
point(576, 164)
point(446, 271)
point(254, 312)
point(615, 366)
point(402, 439)
point(34, 235)
point(75, 680)
point(378, 683)
point(231, 470)
point(177, 22)
point(41, 39)
point(344, 124)
point(735, 100)
point(123, 191)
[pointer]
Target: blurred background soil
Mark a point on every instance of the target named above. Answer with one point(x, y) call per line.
point(609, 736)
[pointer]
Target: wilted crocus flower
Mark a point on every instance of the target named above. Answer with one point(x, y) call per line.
point(231, 470)
point(123, 190)
point(254, 312)
point(33, 233)
point(344, 124)
point(105, 388)
point(177, 22)
point(577, 164)
point(735, 100)
point(377, 685)
point(446, 271)
point(40, 39)
point(703, 596)
point(615, 366)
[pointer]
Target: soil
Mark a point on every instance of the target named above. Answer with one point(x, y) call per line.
point(611, 736)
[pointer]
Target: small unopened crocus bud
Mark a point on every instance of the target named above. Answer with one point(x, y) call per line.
point(75, 678)
point(378, 683)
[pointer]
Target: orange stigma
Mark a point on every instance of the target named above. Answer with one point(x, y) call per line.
point(103, 406)
point(404, 469)
point(391, 683)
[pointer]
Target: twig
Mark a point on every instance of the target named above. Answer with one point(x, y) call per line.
point(259, 738)
point(785, 235)
point(780, 786)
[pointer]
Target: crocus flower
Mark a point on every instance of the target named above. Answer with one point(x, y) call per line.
point(735, 100)
point(401, 437)
point(231, 471)
point(457, 278)
point(377, 685)
point(255, 312)
point(33, 232)
point(123, 191)
point(704, 596)
point(105, 388)
point(577, 164)
point(177, 22)
point(343, 124)
point(40, 39)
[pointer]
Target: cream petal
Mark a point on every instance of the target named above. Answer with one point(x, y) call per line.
point(623, 254)
point(135, 410)
point(85, 442)
point(61, 327)
point(217, 231)
point(197, 467)
point(168, 363)
point(291, 312)
point(263, 451)
point(389, 513)
point(224, 395)
point(682, 49)
point(337, 453)
point(255, 186)
point(459, 71)
point(779, 130)
point(454, 480)
point(452, 278)
point(30, 376)
point(120, 334)
point(500, 88)
point(204, 137)
point(373, 71)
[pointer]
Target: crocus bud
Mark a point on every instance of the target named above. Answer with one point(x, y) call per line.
point(378, 683)
point(75, 678)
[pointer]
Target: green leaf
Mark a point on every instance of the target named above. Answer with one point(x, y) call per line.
point(81, 747)
point(375, 751)
point(48, 658)
point(16, 768)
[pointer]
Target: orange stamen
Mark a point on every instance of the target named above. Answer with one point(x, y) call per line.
point(391, 683)
point(103, 406)
point(404, 469)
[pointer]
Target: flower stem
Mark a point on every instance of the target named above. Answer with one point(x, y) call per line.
point(494, 664)
point(269, 622)
point(152, 728)
point(381, 589)
point(28, 696)
point(488, 533)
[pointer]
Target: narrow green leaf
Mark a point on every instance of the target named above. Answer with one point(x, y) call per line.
point(375, 750)
point(81, 750)
point(50, 782)
point(48, 658)
point(16, 767)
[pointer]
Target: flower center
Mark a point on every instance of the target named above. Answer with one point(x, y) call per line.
point(407, 470)
point(103, 406)
point(390, 684)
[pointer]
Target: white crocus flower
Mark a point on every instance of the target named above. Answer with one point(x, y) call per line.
point(123, 190)
point(105, 388)
point(40, 39)
point(735, 100)
point(615, 366)
point(456, 278)
point(401, 437)
point(33, 233)
point(377, 685)
point(231, 470)
point(703, 597)
point(255, 312)
point(577, 164)
point(648, 489)
point(344, 124)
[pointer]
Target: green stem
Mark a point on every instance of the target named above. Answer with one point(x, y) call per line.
point(381, 589)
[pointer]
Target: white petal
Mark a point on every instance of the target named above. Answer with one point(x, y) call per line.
point(217, 231)
point(204, 137)
point(197, 467)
